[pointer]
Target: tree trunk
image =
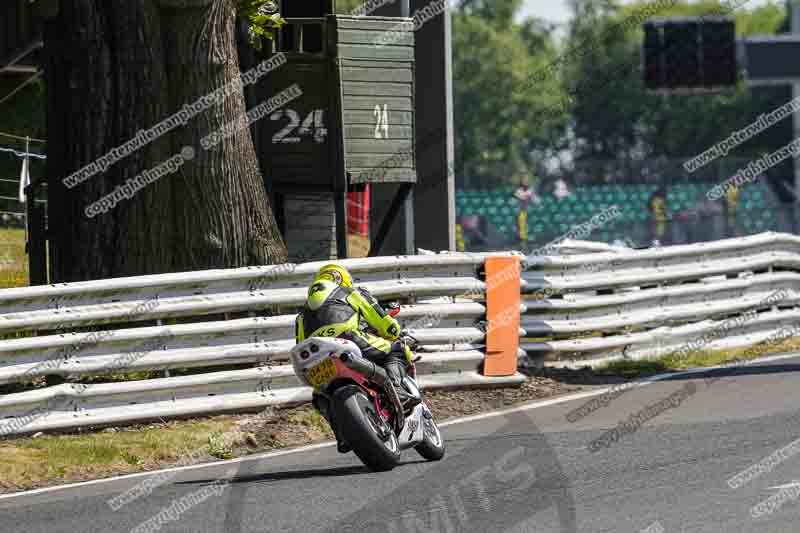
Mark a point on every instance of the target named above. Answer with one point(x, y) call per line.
point(115, 67)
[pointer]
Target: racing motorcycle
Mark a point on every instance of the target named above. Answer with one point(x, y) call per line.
point(364, 403)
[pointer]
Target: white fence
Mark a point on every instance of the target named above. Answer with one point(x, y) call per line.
point(589, 308)
point(590, 304)
point(127, 332)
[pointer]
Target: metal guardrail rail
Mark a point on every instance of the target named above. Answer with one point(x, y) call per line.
point(597, 307)
point(117, 318)
point(154, 297)
point(591, 304)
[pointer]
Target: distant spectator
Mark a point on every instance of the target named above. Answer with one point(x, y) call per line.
point(658, 215)
point(731, 203)
point(460, 244)
point(474, 237)
point(560, 189)
point(704, 221)
point(711, 220)
point(525, 194)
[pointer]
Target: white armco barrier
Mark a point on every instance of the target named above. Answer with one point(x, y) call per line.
point(122, 329)
point(590, 304)
point(587, 309)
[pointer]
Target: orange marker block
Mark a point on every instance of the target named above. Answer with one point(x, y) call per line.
point(502, 313)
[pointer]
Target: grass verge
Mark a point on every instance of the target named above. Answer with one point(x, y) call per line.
point(32, 462)
point(698, 359)
point(49, 460)
point(13, 262)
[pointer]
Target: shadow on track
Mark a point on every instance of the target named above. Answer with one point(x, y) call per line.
point(296, 474)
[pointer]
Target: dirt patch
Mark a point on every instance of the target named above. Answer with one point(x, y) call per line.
point(452, 404)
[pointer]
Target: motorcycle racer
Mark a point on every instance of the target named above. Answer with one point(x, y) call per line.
point(335, 308)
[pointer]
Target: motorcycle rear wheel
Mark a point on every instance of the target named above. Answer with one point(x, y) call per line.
point(372, 439)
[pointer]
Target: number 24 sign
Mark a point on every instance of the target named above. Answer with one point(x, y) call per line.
point(314, 125)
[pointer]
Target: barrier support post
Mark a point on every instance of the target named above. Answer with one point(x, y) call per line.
point(502, 315)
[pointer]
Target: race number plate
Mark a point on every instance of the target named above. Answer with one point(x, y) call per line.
point(322, 373)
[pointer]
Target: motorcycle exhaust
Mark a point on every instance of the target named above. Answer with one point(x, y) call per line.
point(370, 370)
point(374, 373)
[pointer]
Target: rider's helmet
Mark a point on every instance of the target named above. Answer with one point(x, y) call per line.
point(328, 279)
point(336, 274)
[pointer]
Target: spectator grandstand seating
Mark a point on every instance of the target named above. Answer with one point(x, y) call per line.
point(553, 217)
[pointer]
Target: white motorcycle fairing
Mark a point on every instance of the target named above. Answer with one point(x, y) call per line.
point(412, 432)
point(312, 351)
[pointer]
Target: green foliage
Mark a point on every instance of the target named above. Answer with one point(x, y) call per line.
point(513, 114)
point(13, 261)
point(500, 131)
point(23, 115)
point(632, 369)
point(498, 13)
point(130, 458)
point(219, 447)
point(262, 17)
point(310, 418)
point(614, 118)
point(344, 7)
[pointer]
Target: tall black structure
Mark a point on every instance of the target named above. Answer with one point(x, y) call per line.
point(690, 54)
point(429, 213)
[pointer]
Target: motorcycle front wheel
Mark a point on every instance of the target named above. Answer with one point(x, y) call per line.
point(432, 446)
point(372, 438)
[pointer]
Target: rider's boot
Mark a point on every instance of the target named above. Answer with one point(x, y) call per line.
point(321, 406)
point(406, 390)
point(342, 446)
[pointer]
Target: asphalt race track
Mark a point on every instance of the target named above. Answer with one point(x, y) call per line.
point(528, 470)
